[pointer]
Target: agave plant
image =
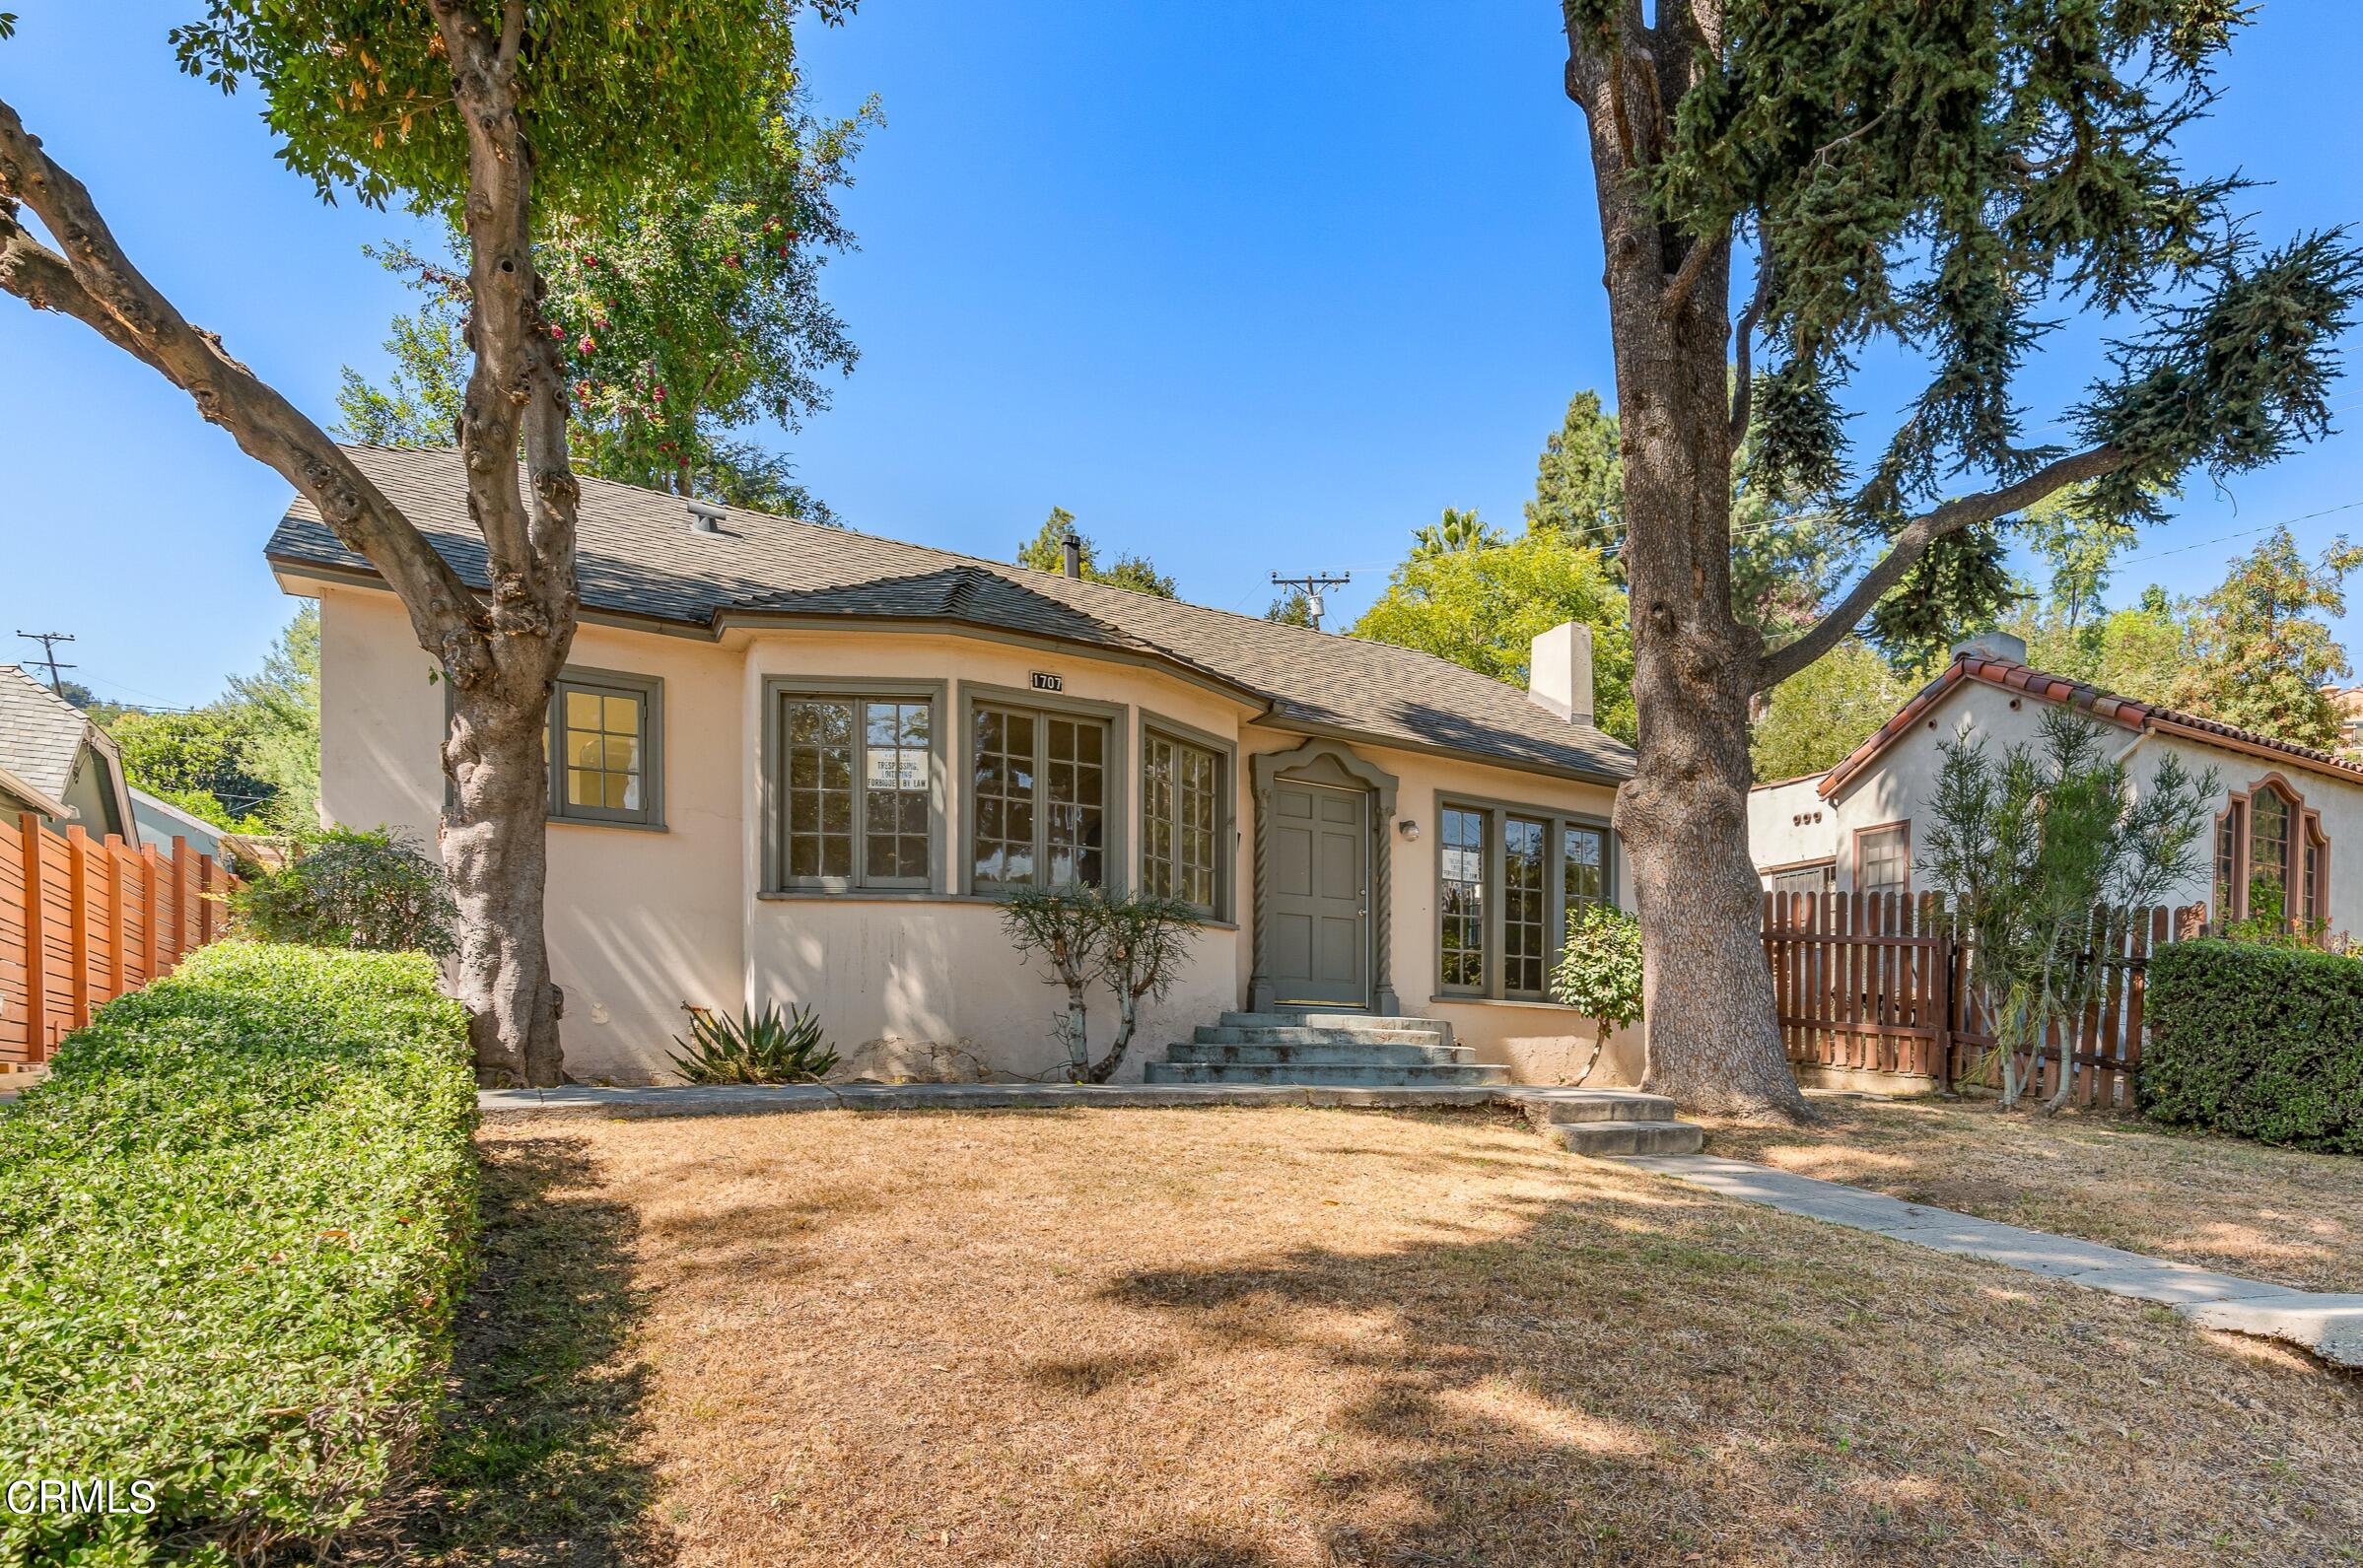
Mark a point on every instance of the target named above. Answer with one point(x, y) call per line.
point(753, 1047)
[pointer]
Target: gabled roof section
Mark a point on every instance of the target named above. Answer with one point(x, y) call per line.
point(41, 734)
point(2105, 705)
point(639, 559)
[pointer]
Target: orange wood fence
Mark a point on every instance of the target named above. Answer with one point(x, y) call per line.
point(1878, 983)
point(84, 919)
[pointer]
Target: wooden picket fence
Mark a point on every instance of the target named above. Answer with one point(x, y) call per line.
point(1877, 983)
point(84, 919)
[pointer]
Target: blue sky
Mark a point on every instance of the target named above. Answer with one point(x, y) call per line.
point(1246, 286)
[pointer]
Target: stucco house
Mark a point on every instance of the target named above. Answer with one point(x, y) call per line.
point(56, 763)
point(799, 763)
point(2280, 811)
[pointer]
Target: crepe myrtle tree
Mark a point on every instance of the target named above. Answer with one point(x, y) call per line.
point(497, 116)
point(1944, 179)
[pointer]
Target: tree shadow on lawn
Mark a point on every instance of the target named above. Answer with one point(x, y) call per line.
point(537, 1458)
point(1605, 1387)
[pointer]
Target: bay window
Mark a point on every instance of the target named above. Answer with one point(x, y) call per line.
point(1039, 798)
point(1182, 816)
point(855, 794)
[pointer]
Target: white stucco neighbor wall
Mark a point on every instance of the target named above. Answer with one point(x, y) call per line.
point(1899, 787)
point(921, 984)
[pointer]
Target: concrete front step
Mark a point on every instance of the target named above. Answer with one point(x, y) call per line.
point(1316, 1019)
point(1547, 1105)
point(1606, 1139)
point(1352, 1053)
point(1292, 1035)
point(1369, 1074)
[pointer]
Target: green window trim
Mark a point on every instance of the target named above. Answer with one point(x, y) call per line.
point(604, 741)
point(1506, 876)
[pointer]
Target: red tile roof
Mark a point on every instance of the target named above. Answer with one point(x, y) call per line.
point(2105, 705)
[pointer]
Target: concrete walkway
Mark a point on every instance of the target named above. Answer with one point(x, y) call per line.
point(756, 1099)
point(2330, 1325)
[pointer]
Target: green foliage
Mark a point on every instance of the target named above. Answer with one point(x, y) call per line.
point(359, 92)
point(1046, 551)
point(754, 1047)
point(1957, 182)
point(2257, 656)
point(373, 890)
point(1483, 608)
point(1133, 943)
point(240, 1214)
point(1580, 480)
point(249, 760)
point(196, 759)
point(687, 313)
point(1816, 717)
point(2261, 1041)
point(1456, 530)
point(1599, 973)
point(2035, 851)
point(2138, 651)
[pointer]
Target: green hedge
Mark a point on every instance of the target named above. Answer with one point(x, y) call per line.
point(234, 1225)
point(2263, 1042)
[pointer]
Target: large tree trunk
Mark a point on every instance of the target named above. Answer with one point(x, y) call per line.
point(1707, 993)
point(495, 845)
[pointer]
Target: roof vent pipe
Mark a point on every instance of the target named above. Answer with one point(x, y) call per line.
point(705, 517)
point(1071, 553)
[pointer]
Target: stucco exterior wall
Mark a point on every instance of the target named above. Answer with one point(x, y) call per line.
point(1900, 786)
point(921, 983)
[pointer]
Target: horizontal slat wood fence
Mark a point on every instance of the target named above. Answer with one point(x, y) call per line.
point(84, 919)
point(1877, 983)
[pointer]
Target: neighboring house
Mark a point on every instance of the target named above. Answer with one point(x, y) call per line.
point(161, 822)
point(2349, 701)
point(56, 763)
point(797, 763)
point(2281, 811)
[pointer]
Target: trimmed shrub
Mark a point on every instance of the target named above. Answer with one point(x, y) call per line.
point(2263, 1042)
point(234, 1224)
point(375, 889)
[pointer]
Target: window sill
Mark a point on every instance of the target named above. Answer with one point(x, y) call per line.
point(557, 821)
point(892, 895)
point(1449, 999)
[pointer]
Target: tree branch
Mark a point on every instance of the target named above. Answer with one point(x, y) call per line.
point(1787, 659)
point(1685, 277)
point(93, 279)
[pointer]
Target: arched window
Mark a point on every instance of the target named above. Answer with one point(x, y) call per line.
point(2270, 849)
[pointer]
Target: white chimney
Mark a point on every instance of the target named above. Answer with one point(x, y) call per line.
point(1997, 645)
point(1558, 671)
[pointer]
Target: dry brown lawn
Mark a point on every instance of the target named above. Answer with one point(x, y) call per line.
point(1249, 1338)
point(2295, 1219)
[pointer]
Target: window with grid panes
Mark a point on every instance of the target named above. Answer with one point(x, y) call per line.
point(601, 746)
point(1461, 951)
point(1181, 813)
point(1038, 788)
point(1507, 879)
point(855, 794)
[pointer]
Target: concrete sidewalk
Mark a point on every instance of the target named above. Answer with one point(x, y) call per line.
point(756, 1099)
point(2329, 1325)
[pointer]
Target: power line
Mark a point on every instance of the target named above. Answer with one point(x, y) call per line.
point(49, 642)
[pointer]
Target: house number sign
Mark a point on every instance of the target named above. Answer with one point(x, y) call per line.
point(1044, 681)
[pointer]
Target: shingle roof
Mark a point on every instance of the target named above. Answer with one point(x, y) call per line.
point(2101, 705)
point(40, 732)
point(638, 556)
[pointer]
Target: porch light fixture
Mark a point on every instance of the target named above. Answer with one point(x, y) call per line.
point(1409, 829)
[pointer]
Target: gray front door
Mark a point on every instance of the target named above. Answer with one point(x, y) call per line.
point(1320, 914)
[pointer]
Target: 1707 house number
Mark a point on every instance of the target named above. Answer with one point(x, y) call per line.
point(1044, 681)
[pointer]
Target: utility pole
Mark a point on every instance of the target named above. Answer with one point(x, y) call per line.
point(1311, 586)
point(49, 642)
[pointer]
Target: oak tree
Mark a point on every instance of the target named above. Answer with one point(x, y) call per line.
point(1944, 181)
point(499, 115)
